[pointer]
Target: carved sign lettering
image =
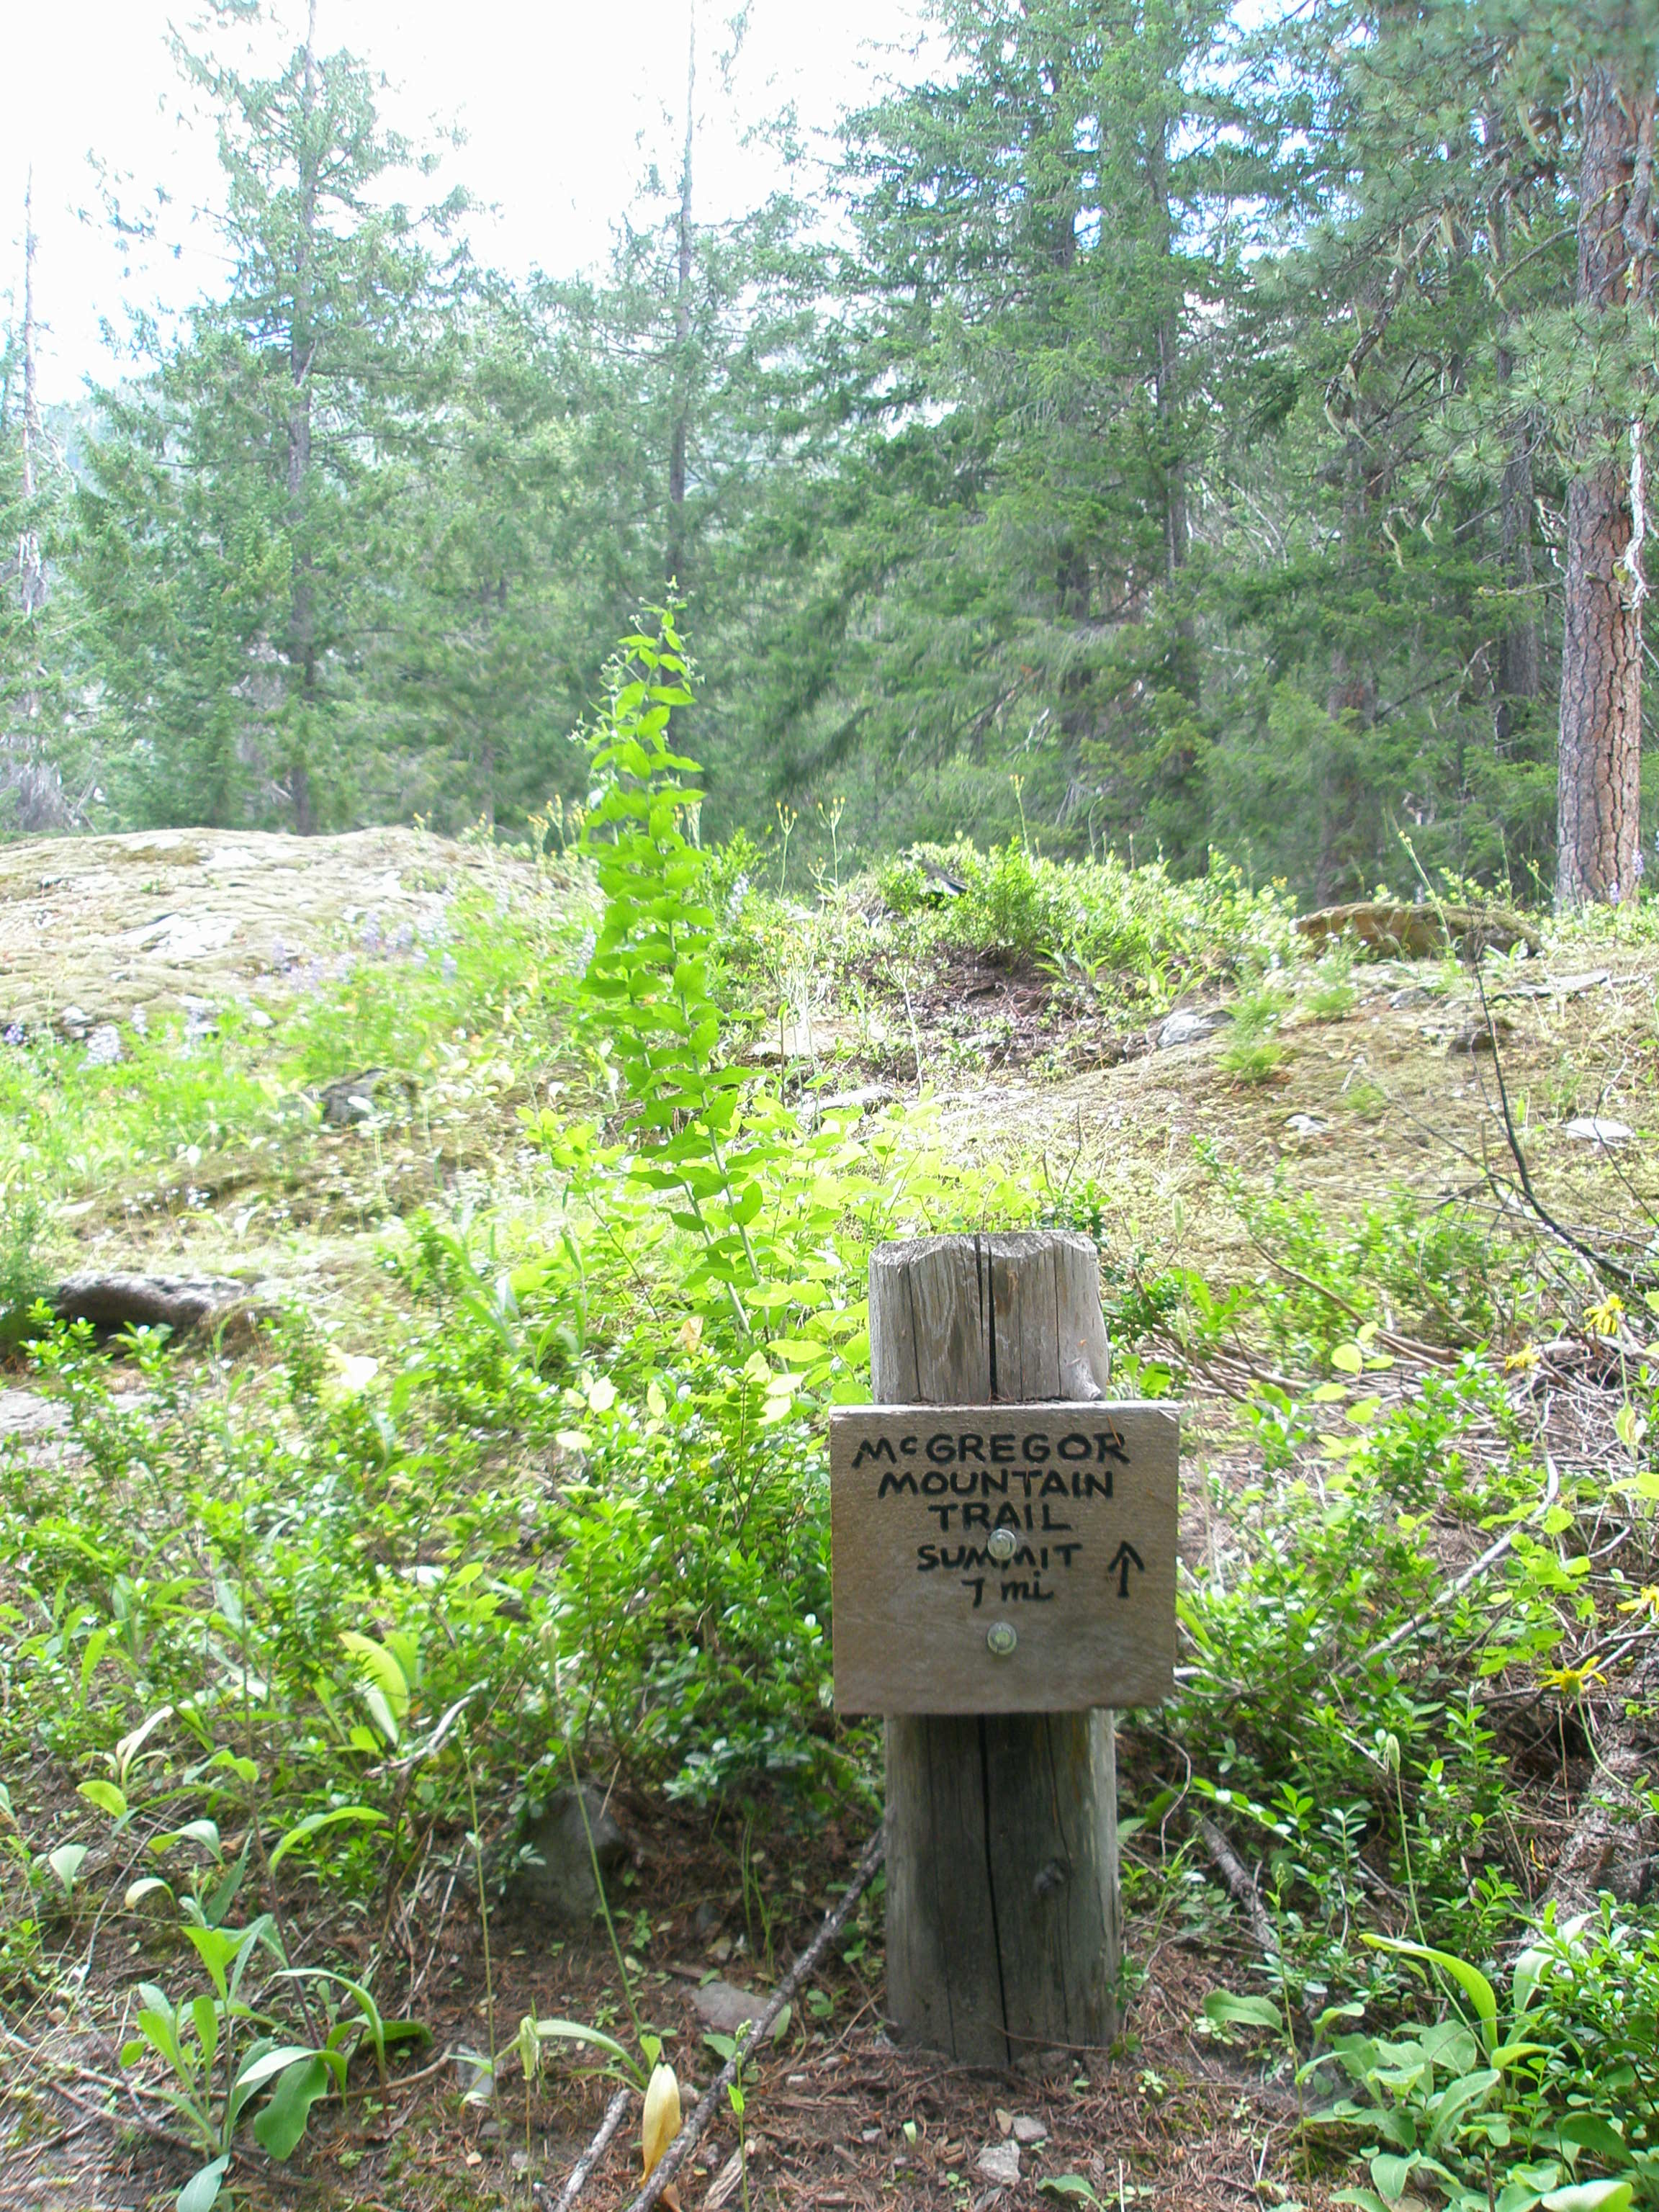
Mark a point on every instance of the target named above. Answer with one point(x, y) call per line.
point(1003, 1558)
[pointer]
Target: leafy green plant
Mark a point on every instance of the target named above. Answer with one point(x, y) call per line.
point(1333, 994)
point(1466, 2104)
point(1253, 1051)
point(23, 1273)
point(206, 2083)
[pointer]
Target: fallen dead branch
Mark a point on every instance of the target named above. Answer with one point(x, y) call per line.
point(692, 2133)
point(1237, 1882)
point(1602, 1261)
point(1454, 1590)
point(180, 1303)
point(1616, 1833)
point(615, 2113)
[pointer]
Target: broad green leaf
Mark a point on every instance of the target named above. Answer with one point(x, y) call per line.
point(1390, 2172)
point(204, 2014)
point(279, 2127)
point(106, 1797)
point(314, 1823)
point(573, 2030)
point(1224, 2009)
point(66, 1862)
point(254, 2072)
point(205, 1832)
point(1592, 2196)
point(1456, 2101)
point(1473, 1983)
point(201, 2192)
point(383, 1671)
point(1590, 2131)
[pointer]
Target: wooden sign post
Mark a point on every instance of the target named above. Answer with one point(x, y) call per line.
point(1004, 1574)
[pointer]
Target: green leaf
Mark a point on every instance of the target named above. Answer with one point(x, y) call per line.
point(205, 2015)
point(205, 1832)
point(384, 1675)
point(1470, 1979)
point(1590, 2131)
point(573, 2030)
point(66, 1862)
point(1222, 2008)
point(256, 2070)
point(1592, 2196)
point(279, 2127)
point(201, 2192)
point(1390, 2172)
point(1068, 2184)
point(106, 1797)
point(314, 1823)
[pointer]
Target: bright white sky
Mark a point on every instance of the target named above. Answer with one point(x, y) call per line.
point(563, 102)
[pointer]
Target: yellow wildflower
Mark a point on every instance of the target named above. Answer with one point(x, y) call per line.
point(662, 2124)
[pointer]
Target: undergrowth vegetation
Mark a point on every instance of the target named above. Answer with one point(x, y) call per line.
point(297, 1631)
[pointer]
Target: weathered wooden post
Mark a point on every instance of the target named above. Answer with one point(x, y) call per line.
point(1000, 1579)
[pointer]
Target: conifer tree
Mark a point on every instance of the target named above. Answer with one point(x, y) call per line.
point(243, 542)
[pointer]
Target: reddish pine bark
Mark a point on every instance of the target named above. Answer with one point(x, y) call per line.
point(1598, 851)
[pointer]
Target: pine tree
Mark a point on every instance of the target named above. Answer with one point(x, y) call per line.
point(46, 782)
point(243, 542)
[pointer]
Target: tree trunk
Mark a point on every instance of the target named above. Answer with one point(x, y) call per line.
point(679, 431)
point(1003, 1912)
point(1516, 677)
point(1346, 844)
point(1178, 532)
point(302, 347)
point(32, 574)
point(1599, 835)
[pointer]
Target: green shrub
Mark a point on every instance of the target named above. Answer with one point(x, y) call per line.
point(23, 1276)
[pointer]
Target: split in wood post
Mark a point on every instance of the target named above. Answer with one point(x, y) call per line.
point(1004, 1924)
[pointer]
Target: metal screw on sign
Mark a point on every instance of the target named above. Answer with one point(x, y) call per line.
point(1001, 1637)
point(1001, 1544)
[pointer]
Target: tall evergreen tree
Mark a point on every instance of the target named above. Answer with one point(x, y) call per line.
point(45, 778)
point(243, 514)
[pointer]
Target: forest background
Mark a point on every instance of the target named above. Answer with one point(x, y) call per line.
point(1159, 429)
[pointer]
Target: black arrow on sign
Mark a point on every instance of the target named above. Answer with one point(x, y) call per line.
point(1123, 1558)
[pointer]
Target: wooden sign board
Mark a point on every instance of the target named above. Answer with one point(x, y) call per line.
point(1003, 1558)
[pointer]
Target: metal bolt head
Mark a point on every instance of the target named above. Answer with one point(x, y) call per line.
point(1002, 1543)
point(1001, 1638)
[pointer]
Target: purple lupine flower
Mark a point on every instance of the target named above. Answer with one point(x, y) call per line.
point(449, 969)
point(369, 935)
point(14, 1034)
